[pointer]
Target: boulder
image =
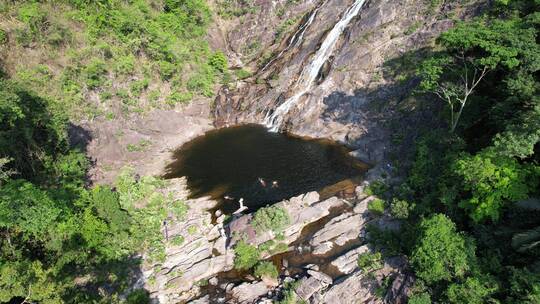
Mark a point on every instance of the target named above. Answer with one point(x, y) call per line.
point(346, 227)
point(356, 288)
point(249, 292)
point(348, 262)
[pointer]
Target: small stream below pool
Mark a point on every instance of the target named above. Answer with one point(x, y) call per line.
point(244, 162)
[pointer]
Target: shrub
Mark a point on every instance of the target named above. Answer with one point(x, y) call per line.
point(376, 188)
point(202, 82)
point(180, 209)
point(3, 36)
point(370, 261)
point(242, 74)
point(166, 69)
point(218, 61)
point(177, 240)
point(246, 256)
point(399, 208)
point(420, 298)
point(94, 73)
point(376, 206)
point(138, 296)
point(179, 97)
point(266, 269)
point(137, 87)
point(124, 65)
point(441, 253)
point(270, 218)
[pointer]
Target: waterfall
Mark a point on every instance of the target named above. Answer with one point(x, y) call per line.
point(311, 71)
point(296, 38)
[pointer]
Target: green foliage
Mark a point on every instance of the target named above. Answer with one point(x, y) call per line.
point(266, 269)
point(94, 73)
point(31, 133)
point(142, 145)
point(102, 45)
point(272, 218)
point(242, 74)
point(218, 61)
point(177, 97)
point(368, 261)
point(492, 181)
point(138, 296)
point(420, 298)
point(289, 294)
point(474, 290)
point(376, 206)
point(246, 256)
point(400, 208)
point(441, 253)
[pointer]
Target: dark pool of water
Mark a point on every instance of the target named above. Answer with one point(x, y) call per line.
point(230, 161)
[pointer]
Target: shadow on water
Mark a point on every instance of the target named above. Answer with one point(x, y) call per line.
point(243, 161)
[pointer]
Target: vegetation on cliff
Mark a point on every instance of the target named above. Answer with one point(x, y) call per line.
point(471, 199)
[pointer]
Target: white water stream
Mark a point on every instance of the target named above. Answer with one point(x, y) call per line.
point(296, 39)
point(311, 71)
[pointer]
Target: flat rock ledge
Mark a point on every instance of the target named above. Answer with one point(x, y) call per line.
point(207, 251)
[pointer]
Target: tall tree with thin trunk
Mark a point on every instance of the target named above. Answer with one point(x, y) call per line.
point(468, 55)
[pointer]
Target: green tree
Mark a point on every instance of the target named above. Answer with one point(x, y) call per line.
point(246, 256)
point(492, 181)
point(474, 290)
point(441, 253)
point(471, 50)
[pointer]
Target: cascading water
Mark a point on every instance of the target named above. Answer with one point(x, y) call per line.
point(296, 39)
point(311, 71)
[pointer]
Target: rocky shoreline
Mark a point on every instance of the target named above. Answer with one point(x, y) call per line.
point(207, 251)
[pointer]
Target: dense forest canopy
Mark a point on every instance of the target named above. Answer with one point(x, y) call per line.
point(470, 202)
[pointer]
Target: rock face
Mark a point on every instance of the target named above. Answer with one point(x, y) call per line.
point(347, 263)
point(303, 210)
point(144, 142)
point(361, 83)
point(249, 292)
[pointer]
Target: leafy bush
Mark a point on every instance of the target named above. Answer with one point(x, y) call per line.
point(179, 97)
point(272, 218)
point(246, 256)
point(420, 298)
point(370, 261)
point(138, 296)
point(400, 208)
point(3, 36)
point(242, 74)
point(218, 61)
point(376, 206)
point(94, 73)
point(266, 269)
point(125, 65)
point(441, 253)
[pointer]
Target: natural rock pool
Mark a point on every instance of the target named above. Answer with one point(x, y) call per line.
point(244, 161)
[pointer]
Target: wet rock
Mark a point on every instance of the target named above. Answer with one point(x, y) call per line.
point(249, 292)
